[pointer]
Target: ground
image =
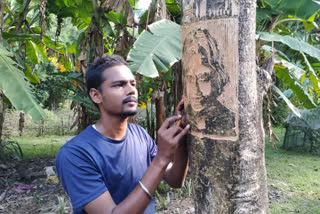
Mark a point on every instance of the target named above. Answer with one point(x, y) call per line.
point(38, 194)
point(34, 194)
point(29, 191)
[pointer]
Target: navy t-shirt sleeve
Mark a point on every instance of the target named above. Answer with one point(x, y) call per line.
point(81, 180)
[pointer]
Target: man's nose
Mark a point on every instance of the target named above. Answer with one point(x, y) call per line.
point(132, 90)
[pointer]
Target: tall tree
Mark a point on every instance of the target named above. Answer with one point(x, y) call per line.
point(223, 106)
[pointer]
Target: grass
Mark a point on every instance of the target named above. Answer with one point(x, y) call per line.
point(296, 177)
point(42, 147)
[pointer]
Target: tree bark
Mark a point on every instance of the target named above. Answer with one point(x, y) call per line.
point(223, 107)
point(160, 113)
point(21, 123)
point(2, 5)
point(2, 112)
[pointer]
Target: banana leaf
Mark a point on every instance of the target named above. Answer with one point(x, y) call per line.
point(159, 48)
point(16, 88)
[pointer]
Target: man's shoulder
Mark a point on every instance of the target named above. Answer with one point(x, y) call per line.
point(137, 129)
point(78, 143)
point(81, 137)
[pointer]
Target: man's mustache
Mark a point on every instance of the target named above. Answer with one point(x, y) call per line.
point(130, 99)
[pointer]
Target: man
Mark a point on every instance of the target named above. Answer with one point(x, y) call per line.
point(114, 166)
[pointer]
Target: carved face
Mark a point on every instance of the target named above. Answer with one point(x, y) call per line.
point(206, 76)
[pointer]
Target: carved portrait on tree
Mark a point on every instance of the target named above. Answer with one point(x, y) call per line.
point(205, 84)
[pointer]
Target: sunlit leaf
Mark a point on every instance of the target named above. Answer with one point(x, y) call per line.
point(15, 88)
point(292, 42)
point(287, 101)
point(161, 47)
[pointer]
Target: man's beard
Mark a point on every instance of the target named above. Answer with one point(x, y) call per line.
point(125, 114)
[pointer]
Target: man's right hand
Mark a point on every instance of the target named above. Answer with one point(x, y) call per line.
point(169, 136)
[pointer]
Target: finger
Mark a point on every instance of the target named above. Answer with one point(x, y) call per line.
point(169, 121)
point(174, 130)
point(182, 133)
point(180, 107)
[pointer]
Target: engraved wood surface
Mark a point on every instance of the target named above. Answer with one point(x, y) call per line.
point(211, 77)
point(195, 10)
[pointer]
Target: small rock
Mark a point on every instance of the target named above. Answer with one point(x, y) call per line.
point(3, 166)
point(52, 180)
point(50, 171)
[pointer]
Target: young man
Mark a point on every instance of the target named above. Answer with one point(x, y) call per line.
point(114, 166)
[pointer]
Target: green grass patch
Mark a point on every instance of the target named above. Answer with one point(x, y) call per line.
point(41, 147)
point(296, 177)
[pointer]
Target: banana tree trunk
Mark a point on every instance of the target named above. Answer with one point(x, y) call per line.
point(21, 123)
point(2, 111)
point(223, 106)
point(160, 112)
point(2, 4)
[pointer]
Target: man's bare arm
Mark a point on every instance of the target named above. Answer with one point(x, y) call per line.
point(169, 136)
point(177, 171)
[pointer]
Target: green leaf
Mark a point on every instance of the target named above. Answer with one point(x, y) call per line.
point(116, 17)
point(31, 76)
point(11, 37)
point(312, 74)
point(161, 47)
point(287, 101)
point(71, 48)
point(174, 7)
point(66, 62)
point(42, 49)
point(293, 43)
point(303, 9)
point(309, 25)
point(107, 27)
point(31, 51)
point(293, 69)
point(15, 88)
point(54, 45)
point(263, 14)
point(290, 77)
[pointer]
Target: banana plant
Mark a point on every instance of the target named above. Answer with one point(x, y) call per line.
point(288, 30)
point(16, 88)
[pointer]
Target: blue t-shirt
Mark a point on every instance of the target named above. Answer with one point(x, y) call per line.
point(91, 164)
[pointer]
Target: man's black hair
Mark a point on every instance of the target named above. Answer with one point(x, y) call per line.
point(94, 75)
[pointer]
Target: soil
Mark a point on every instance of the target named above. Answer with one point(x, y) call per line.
point(26, 188)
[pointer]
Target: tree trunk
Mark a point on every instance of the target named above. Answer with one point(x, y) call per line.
point(177, 84)
point(2, 5)
point(160, 113)
point(223, 107)
point(95, 44)
point(2, 112)
point(21, 123)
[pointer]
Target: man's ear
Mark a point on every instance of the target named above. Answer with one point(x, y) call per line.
point(95, 95)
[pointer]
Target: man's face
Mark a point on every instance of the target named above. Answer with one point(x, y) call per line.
point(119, 92)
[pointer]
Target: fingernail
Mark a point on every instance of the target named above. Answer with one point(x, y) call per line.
point(188, 126)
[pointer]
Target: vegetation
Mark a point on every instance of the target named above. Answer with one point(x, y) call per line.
point(47, 46)
point(41, 147)
point(293, 180)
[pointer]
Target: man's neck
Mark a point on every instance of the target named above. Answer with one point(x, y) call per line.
point(112, 127)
